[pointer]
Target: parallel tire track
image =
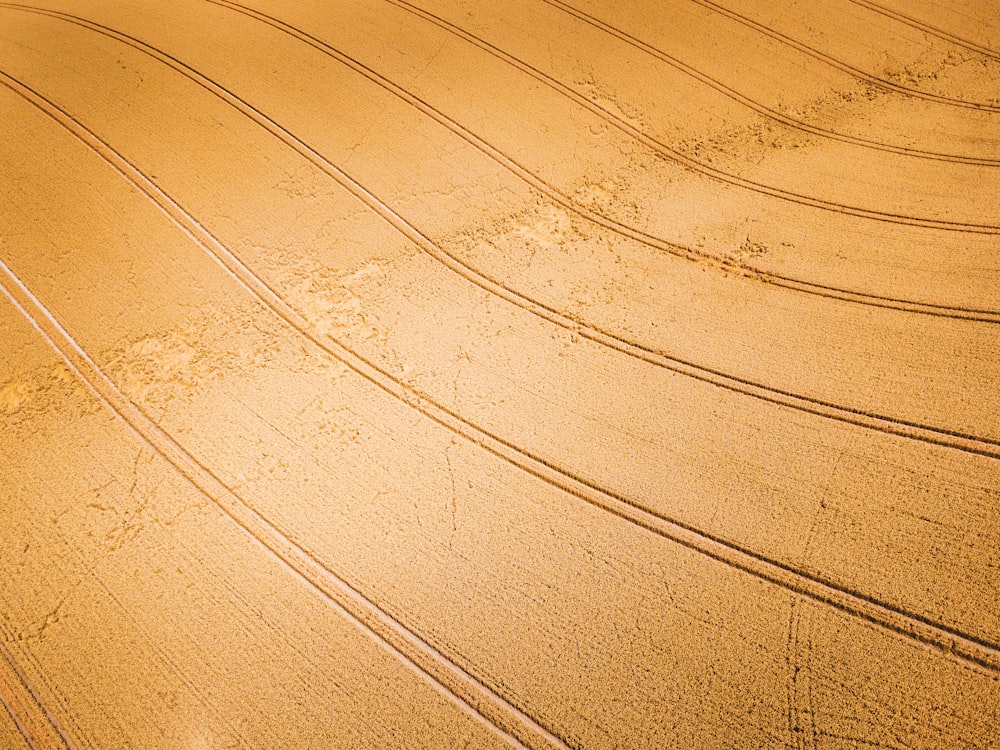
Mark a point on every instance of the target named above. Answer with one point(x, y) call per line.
point(674, 155)
point(757, 107)
point(458, 686)
point(554, 194)
point(842, 66)
point(986, 447)
point(56, 705)
point(969, 649)
point(40, 728)
point(18, 724)
point(6, 705)
point(927, 28)
point(545, 188)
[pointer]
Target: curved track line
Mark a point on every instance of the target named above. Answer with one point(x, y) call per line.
point(451, 681)
point(830, 292)
point(58, 703)
point(757, 107)
point(927, 28)
point(787, 282)
point(15, 720)
point(553, 193)
point(672, 154)
point(975, 652)
point(842, 66)
point(37, 724)
point(986, 447)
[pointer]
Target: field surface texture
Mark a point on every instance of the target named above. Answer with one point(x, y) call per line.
point(500, 373)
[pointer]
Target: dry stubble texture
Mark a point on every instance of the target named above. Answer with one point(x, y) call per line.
point(548, 373)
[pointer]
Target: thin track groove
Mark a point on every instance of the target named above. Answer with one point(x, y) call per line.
point(56, 704)
point(757, 107)
point(980, 315)
point(842, 66)
point(674, 155)
point(43, 731)
point(706, 259)
point(927, 28)
point(455, 684)
point(787, 282)
point(968, 649)
point(986, 447)
point(22, 730)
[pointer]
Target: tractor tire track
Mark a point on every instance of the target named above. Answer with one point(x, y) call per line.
point(727, 265)
point(842, 66)
point(672, 154)
point(451, 681)
point(36, 722)
point(757, 107)
point(599, 219)
point(69, 731)
point(5, 691)
point(983, 446)
point(620, 228)
point(972, 651)
point(927, 28)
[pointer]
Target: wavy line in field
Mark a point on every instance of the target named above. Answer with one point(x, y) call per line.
point(927, 28)
point(673, 155)
point(757, 107)
point(857, 417)
point(554, 194)
point(67, 729)
point(36, 722)
point(22, 730)
point(749, 272)
point(728, 265)
point(842, 66)
point(971, 650)
point(986, 447)
point(457, 686)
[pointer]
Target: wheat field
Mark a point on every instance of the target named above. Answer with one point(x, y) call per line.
point(490, 373)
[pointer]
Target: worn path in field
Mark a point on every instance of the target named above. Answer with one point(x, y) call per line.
point(577, 491)
point(401, 348)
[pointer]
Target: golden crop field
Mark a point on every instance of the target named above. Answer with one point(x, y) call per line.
point(490, 373)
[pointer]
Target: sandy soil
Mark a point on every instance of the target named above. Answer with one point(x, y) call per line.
point(549, 373)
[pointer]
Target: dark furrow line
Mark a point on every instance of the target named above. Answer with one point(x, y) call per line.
point(973, 651)
point(978, 315)
point(763, 109)
point(692, 254)
point(25, 735)
point(691, 164)
point(927, 28)
point(449, 680)
point(550, 191)
point(983, 446)
point(69, 725)
point(846, 295)
point(47, 732)
point(842, 66)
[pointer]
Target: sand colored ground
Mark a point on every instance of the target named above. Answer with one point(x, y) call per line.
point(447, 374)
